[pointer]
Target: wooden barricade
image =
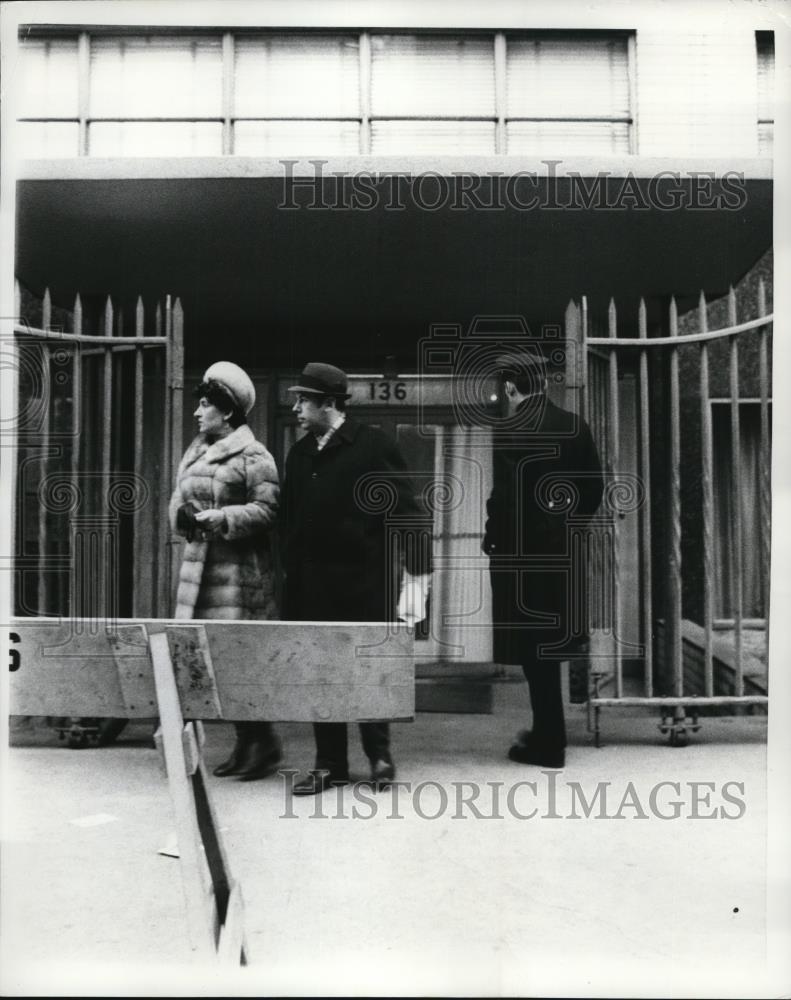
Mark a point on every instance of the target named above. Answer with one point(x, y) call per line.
point(238, 671)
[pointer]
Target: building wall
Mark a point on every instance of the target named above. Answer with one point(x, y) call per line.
point(697, 93)
point(522, 90)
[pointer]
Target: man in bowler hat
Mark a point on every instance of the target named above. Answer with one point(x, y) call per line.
point(338, 562)
point(547, 482)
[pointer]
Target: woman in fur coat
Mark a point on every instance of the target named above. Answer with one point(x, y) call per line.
point(225, 505)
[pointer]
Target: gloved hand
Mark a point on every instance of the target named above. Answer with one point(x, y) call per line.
point(413, 598)
point(185, 520)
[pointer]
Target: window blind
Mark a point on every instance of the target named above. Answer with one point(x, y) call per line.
point(297, 76)
point(567, 78)
point(156, 77)
point(428, 76)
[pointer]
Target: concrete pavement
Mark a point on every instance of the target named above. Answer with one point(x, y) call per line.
point(431, 888)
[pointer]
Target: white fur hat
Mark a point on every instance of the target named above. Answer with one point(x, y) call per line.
point(235, 381)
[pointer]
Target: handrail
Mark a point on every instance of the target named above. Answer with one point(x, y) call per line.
point(687, 338)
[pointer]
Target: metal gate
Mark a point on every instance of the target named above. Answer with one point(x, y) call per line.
point(98, 435)
point(703, 515)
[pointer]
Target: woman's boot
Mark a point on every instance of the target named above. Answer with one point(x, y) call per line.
point(238, 754)
point(263, 752)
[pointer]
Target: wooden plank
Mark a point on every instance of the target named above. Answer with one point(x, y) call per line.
point(314, 671)
point(280, 671)
point(129, 647)
point(194, 671)
point(191, 747)
point(232, 948)
point(198, 892)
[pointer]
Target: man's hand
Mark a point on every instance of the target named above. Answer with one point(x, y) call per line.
point(211, 521)
point(412, 602)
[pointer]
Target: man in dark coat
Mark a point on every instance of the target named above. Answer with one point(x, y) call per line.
point(343, 482)
point(547, 485)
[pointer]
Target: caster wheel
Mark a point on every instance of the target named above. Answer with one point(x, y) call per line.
point(77, 739)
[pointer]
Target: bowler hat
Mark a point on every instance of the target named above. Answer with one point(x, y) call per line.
point(323, 380)
point(236, 382)
point(526, 363)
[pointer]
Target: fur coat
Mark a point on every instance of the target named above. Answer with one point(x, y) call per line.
point(228, 574)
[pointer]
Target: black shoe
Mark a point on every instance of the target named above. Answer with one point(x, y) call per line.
point(532, 755)
point(260, 761)
point(382, 773)
point(233, 763)
point(317, 781)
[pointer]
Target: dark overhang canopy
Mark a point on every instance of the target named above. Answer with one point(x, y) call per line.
point(287, 266)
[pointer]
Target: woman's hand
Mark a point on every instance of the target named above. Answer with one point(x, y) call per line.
point(211, 521)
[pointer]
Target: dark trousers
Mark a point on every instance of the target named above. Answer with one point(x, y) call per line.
point(546, 700)
point(332, 744)
point(257, 732)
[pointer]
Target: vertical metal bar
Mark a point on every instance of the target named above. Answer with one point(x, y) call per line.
point(76, 607)
point(365, 93)
point(765, 458)
point(83, 90)
point(17, 302)
point(46, 416)
point(46, 310)
point(584, 360)
point(614, 440)
point(736, 497)
point(107, 429)
point(166, 483)
point(228, 80)
point(645, 513)
point(707, 486)
point(500, 92)
point(139, 568)
point(177, 411)
point(674, 562)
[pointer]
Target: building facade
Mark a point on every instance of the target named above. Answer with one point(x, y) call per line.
point(358, 191)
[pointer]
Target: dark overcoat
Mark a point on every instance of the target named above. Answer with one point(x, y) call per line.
point(346, 512)
point(547, 485)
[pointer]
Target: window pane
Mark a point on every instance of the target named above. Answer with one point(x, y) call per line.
point(155, 138)
point(49, 79)
point(432, 137)
point(432, 76)
point(156, 78)
point(48, 139)
point(579, 138)
point(296, 138)
point(567, 77)
point(290, 76)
